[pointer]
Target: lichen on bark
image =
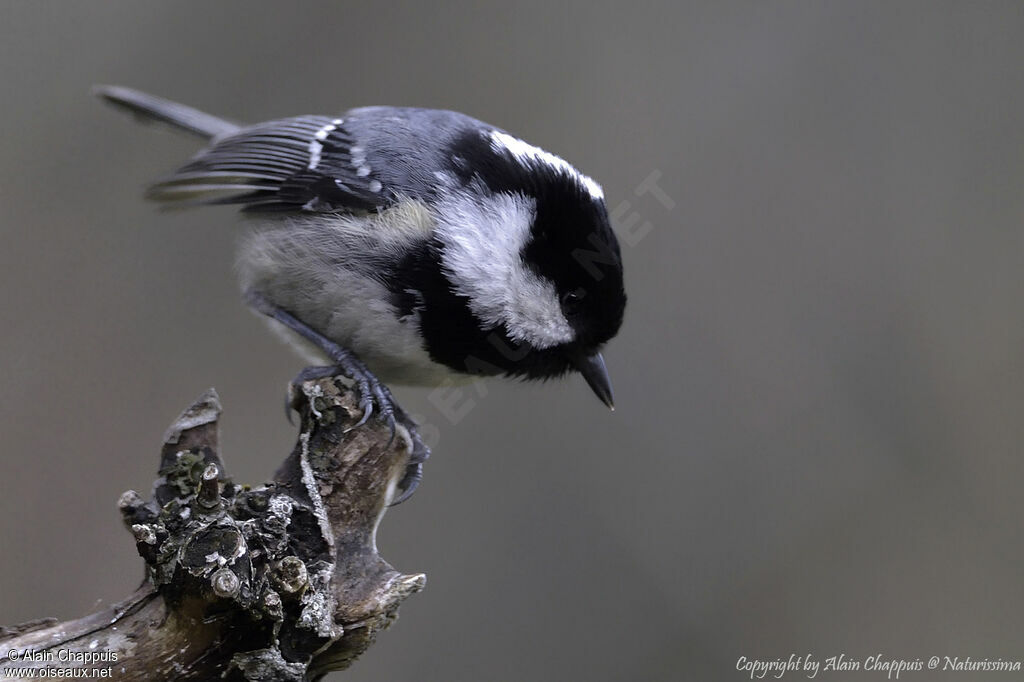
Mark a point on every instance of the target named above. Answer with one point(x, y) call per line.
point(277, 582)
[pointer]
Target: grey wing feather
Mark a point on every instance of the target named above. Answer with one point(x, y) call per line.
point(361, 162)
point(301, 163)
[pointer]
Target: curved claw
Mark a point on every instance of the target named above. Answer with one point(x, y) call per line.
point(414, 471)
point(410, 481)
point(366, 405)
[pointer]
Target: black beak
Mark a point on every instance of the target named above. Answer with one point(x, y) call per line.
point(593, 370)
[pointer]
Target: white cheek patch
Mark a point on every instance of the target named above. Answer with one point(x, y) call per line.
point(483, 242)
point(529, 155)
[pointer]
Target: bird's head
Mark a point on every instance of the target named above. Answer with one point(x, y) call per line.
point(530, 251)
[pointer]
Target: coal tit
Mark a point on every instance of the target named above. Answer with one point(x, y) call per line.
point(412, 246)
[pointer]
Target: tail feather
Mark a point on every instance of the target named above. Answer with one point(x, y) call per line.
point(150, 107)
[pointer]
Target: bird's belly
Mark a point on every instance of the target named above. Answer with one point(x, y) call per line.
point(391, 347)
point(327, 274)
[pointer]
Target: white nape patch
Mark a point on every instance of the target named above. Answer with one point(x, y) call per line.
point(528, 154)
point(483, 242)
point(315, 148)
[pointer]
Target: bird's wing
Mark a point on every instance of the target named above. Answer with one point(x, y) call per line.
point(306, 163)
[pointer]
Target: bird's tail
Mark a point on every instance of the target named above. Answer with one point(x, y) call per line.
point(152, 108)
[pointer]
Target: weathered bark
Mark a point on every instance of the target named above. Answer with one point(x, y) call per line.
point(281, 582)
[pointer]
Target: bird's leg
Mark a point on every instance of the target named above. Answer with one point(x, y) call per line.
point(370, 389)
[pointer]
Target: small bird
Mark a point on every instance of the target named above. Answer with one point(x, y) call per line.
point(410, 246)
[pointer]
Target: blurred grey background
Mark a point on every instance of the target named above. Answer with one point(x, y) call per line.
point(820, 382)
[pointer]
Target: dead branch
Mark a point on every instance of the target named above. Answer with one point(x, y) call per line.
point(280, 582)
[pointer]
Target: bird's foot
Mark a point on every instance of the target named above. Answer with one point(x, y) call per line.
point(374, 395)
point(418, 454)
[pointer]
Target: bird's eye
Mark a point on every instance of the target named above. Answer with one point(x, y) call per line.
point(571, 300)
